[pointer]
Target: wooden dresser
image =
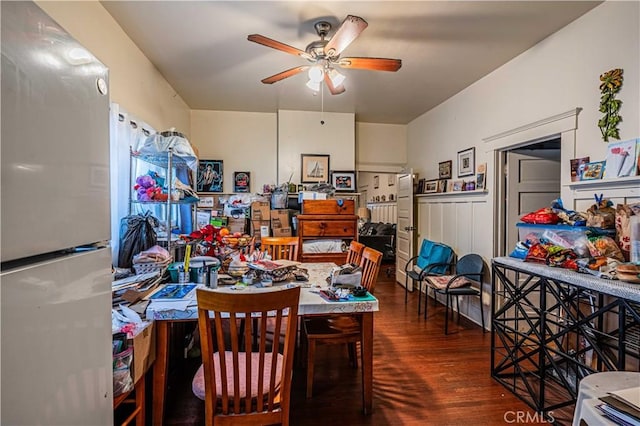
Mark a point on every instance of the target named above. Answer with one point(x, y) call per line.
point(327, 220)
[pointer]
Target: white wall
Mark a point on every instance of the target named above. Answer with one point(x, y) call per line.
point(244, 141)
point(301, 132)
point(381, 147)
point(135, 83)
point(559, 74)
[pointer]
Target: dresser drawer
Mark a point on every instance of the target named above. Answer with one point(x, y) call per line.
point(327, 228)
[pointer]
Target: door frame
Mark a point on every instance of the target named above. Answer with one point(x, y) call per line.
point(565, 125)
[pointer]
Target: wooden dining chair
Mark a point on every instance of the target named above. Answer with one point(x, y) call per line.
point(280, 247)
point(355, 252)
point(333, 330)
point(245, 387)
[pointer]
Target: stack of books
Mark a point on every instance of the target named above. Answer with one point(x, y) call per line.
point(622, 407)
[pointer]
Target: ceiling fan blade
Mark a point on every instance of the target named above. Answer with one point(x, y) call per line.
point(335, 90)
point(274, 44)
point(351, 28)
point(376, 64)
point(284, 74)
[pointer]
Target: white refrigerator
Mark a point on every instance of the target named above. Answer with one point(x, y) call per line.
point(55, 277)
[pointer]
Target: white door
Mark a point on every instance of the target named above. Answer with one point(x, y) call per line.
point(533, 182)
point(405, 228)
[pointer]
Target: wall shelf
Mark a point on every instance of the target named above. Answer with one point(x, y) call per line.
point(624, 182)
point(455, 193)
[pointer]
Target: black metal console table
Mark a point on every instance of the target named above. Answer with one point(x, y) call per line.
point(551, 327)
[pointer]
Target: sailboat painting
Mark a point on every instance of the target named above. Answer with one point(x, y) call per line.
point(314, 168)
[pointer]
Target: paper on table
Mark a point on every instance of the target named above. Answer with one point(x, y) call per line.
point(178, 305)
point(630, 396)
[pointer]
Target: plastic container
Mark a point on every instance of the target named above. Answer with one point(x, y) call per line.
point(173, 271)
point(573, 237)
point(634, 244)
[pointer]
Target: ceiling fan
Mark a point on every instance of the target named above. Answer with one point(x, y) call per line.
point(325, 55)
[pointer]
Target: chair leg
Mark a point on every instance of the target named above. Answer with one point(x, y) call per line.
point(426, 299)
point(481, 311)
point(419, 295)
point(406, 287)
point(426, 302)
point(311, 354)
point(446, 314)
point(458, 306)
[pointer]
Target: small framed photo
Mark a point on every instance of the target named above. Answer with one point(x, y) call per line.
point(442, 185)
point(480, 181)
point(391, 180)
point(376, 182)
point(430, 186)
point(344, 181)
point(420, 187)
point(577, 166)
point(458, 186)
point(466, 162)
point(314, 168)
point(210, 176)
point(241, 181)
point(444, 169)
point(593, 171)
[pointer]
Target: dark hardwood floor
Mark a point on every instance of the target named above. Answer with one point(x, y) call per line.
point(421, 376)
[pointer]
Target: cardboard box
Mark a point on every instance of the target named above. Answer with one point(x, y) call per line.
point(333, 206)
point(280, 218)
point(237, 225)
point(256, 226)
point(144, 351)
point(260, 210)
point(282, 232)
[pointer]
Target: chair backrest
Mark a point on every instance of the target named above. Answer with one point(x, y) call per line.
point(248, 383)
point(470, 265)
point(355, 252)
point(281, 247)
point(431, 253)
point(370, 264)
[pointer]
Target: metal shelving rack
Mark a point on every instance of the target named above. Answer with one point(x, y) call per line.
point(168, 161)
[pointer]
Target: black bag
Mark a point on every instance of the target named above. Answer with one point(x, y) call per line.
point(137, 234)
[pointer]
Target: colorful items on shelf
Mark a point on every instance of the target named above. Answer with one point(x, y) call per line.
point(148, 188)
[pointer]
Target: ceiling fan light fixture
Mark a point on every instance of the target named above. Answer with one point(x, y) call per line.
point(316, 74)
point(313, 85)
point(336, 78)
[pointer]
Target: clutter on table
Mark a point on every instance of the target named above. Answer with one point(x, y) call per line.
point(597, 241)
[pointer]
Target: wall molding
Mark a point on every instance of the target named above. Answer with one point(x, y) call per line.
point(524, 134)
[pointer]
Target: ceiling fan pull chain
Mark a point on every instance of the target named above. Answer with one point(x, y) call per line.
point(322, 104)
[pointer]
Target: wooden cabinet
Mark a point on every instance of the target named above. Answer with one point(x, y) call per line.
point(328, 227)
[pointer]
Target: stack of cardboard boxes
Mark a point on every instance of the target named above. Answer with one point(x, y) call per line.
point(278, 222)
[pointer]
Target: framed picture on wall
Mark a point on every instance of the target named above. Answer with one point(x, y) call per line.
point(314, 168)
point(210, 176)
point(391, 180)
point(444, 169)
point(344, 181)
point(241, 181)
point(466, 162)
point(376, 182)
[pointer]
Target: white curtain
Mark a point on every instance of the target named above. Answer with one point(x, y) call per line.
point(126, 131)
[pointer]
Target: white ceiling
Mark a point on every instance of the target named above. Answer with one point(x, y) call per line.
point(202, 50)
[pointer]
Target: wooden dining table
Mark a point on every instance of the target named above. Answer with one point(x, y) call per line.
point(165, 315)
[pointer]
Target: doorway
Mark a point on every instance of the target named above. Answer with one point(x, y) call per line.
point(531, 175)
